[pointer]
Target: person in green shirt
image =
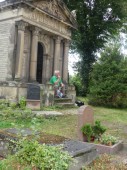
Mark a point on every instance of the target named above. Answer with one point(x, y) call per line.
point(58, 85)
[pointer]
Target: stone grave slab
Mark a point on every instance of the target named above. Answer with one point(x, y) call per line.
point(82, 152)
point(48, 113)
point(22, 132)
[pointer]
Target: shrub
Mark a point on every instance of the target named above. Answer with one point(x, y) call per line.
point(108, 85)
point(95, 130)
point(22, 102)
point(98, 129)
point(76, 81)
point(88, 131)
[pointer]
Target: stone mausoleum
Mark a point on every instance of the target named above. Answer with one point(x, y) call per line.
point(34, 41)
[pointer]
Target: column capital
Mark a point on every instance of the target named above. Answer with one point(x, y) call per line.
point(67, 42)
point(58, 39)
point(35, 30)
point(21, 25)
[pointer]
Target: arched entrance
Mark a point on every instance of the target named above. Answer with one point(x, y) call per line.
point(39, 63)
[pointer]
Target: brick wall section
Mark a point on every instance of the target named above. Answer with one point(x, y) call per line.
point(4, 42)
point(5, 34)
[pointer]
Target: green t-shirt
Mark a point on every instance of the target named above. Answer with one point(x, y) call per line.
point(54, 79)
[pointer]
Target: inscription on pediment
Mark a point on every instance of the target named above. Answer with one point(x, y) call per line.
point(48, 22)
point(51, 7)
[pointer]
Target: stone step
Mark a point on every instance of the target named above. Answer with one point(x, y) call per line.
point(66, 104)
point(63, 100)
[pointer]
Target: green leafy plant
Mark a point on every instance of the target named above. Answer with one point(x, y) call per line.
point(4, 104)
point(107, 139)
point(88, 131)
point(93, 130)
point(22, 102)
point(32, 155)
point(13, 105)
point(108, 86)
point(98, 129)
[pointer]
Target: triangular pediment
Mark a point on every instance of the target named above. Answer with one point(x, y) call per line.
point(55, 8)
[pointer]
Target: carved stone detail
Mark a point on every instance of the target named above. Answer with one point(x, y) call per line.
point(21, 25)
point(36, 31)
point(45, 39)
point(48, 22)
point(58, 39)
point(50, 6)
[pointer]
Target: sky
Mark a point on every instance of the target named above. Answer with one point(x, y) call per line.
point(72, 59)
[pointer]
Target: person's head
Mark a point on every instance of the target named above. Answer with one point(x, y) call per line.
point(57, 73)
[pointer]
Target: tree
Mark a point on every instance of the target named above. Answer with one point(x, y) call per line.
point(76, 81)
point(108, 85)
point(97, 21)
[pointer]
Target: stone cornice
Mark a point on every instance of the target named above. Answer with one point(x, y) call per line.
point(14, 3)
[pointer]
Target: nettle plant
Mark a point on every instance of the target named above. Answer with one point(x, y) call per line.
point(33, 156)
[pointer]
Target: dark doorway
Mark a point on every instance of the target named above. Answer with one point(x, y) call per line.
point(39, 63)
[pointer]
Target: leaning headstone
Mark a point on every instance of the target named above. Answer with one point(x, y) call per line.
point(85, 115)
point(33, 96)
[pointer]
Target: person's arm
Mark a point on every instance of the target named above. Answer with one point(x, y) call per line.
point(57, 81)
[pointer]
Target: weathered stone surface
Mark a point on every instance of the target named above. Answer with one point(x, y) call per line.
point(101, 149)
point(33, 104)
point(21, 132)
point(33, 92)
point(85, 115)
point(18, 45)
point(47, 113)
point(82, 152)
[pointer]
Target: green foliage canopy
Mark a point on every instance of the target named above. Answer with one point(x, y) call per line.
point(108, 86)
point(97, 21)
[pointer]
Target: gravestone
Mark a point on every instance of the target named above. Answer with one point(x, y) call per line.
point(33, 92)
point(33, 96)
point(85, 115)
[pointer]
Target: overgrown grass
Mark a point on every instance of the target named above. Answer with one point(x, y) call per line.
point(114, 119)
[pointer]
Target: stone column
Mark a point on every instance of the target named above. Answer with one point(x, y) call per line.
point(34, 50)
point(48, 68)
point(20, 49)
point(65, 61)
point(57, 53)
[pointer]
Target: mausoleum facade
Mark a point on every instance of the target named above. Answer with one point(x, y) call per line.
point(34, 40)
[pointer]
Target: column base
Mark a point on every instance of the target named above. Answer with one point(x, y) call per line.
point(33, 81)
point(17, 79)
